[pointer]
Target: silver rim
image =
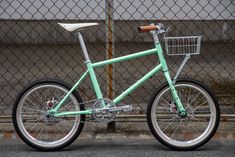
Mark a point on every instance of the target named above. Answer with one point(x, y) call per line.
point(34, 123)
point(189, 131)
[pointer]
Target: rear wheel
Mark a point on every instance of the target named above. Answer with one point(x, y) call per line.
point(36, 127)
point(174, 131)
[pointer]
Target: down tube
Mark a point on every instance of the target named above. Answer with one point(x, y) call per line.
point(137, 84)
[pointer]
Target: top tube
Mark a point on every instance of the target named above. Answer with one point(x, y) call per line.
point(124, 58)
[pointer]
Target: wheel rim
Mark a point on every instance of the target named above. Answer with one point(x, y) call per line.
point(189, 131)
point(41, 129)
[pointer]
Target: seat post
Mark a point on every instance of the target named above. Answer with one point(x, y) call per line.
point(90, 68)
point(84, 50)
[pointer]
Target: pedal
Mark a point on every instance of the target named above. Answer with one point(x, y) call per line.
point(126, 108)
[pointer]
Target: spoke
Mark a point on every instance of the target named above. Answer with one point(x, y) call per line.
point(163, 108)
point(60, 129)
point(168, 125)
point(190, 124)
point(168, 96)
point(33, 128)
point(67, 124)
point(40, 98)
point(62, 96)
point(44, 93)
point(167, 120)
point(41, 111)
point(43, 101)
point(31, 103)
point(46, 133)
point(31, 116)
point(42, 128)
point(180, 94)
point(188, 96)
point(198, 101)
point(193, 100)
point(174, 125)
point(30, 121)
point(200, 119)
point(55, 91)
point(55, 133)
point(48, 91)
point(198, 106)
point(176, 128)
point(38, 102)
point(65, 106)
point(26, 125)
point(45, 98)
point(166, 101)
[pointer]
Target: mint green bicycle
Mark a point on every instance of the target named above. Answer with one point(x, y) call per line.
point(182, 114)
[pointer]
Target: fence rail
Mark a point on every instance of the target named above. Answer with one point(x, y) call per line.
point(33, 46)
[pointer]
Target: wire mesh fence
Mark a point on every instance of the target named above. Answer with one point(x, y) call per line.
point(33, 46)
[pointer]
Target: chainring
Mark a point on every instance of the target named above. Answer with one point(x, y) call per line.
point(101, 112)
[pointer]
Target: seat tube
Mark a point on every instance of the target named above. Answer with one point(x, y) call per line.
point(169, 80)
point(94, 80)
point(90, 68)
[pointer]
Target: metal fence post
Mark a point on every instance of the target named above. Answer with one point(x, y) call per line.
point(109, 38)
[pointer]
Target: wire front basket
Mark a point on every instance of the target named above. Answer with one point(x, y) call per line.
point(183, 45)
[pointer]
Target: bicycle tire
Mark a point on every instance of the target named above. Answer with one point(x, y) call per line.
point(17, 124)
point(159, 133)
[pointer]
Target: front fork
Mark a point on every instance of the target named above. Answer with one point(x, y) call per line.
point(180, 107)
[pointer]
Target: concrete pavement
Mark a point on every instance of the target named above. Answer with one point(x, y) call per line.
point(118, 147)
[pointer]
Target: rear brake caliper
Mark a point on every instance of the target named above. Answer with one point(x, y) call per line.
point(52, 103)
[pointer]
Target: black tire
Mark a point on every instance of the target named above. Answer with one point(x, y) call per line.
point(161, 138)
point(16, 121)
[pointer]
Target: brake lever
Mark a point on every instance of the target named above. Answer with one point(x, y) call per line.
point(161, 28)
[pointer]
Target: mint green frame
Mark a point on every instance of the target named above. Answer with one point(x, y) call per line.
point(90, 70)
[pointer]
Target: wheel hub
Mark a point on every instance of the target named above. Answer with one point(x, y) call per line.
point(51, 120)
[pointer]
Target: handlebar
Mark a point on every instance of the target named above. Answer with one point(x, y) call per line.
point(149, 28)
point(160, 28)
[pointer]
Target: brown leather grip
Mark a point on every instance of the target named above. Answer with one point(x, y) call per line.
point(147, 28)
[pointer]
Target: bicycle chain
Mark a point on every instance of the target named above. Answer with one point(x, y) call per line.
point(91, 119)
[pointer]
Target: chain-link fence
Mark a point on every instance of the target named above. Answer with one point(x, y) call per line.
point(34, 46)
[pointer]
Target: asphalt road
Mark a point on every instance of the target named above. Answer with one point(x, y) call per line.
point(113, 148)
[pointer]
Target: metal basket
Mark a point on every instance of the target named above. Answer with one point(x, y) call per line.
point(183, 45)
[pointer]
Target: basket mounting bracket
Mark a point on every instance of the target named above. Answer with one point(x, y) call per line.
point(186, 58)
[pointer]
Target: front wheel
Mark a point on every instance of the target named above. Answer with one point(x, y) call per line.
point(32, 122)
point(192, 131)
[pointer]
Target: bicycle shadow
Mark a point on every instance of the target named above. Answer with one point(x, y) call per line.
point(139, 147)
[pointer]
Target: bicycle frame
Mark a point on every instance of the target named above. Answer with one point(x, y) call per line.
point(90, 70)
